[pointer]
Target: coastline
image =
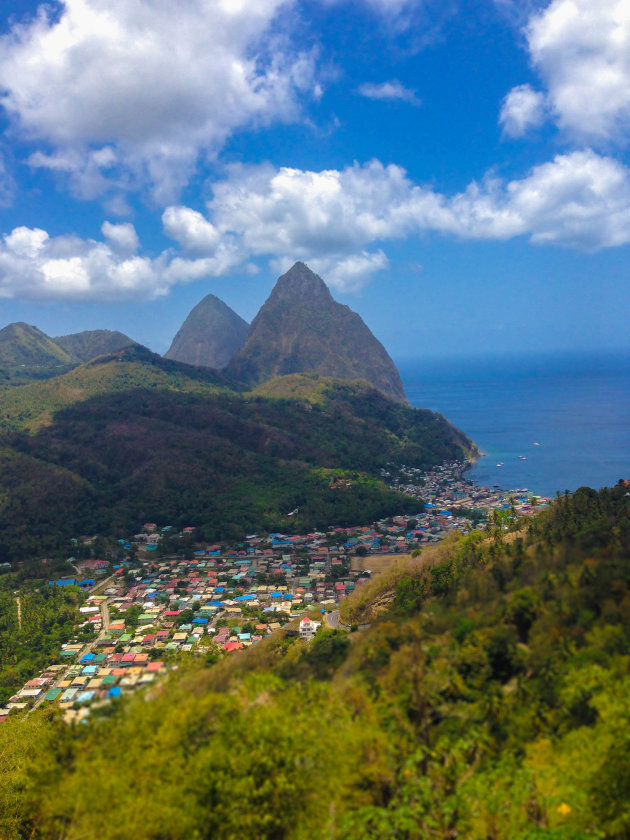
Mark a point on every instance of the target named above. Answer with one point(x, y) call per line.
point(577, 408)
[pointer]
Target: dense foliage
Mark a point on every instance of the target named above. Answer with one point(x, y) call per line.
point(491, 699)
point(34, 623)
point(170, 444)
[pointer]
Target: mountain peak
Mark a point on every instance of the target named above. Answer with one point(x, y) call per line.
point(24, 345)
point(302, 329)
point(302, 283)
point(89, 344)
point(209, 336)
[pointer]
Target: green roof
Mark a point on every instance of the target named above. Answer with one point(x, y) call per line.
point(52, 694)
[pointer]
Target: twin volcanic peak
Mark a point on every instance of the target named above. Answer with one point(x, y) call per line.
point(299, 329)
point(302, 329)
point(210, 336)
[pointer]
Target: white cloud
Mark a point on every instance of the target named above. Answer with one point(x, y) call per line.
point(523, 108)
point(581, 49)
point(580, 200)
point(125, 93)
point(35, 265)
point(336, 220)
point(349, 274)
point(393, 90)
point(190, 229)
point(121, 237)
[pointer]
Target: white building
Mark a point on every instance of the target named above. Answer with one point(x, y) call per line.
point(308, 628)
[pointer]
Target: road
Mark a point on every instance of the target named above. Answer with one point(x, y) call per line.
point(332, 620)
point(19, 611)
point(104, 608)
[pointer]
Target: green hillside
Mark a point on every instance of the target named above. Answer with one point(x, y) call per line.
point(22, 344)
point(27, 353)
point(146, 439)
point(33, 406)
point(490, 700)
point(89, 344)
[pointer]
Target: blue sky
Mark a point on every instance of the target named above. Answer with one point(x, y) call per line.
point(457, 172)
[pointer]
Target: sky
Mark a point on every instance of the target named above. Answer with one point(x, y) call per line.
point(456, 170)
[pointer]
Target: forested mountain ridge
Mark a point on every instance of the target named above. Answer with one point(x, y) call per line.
point(131, 437)
point(491, 700)
point(89, 344)
point(27, 354)
point(34, 405)
point(24, 345)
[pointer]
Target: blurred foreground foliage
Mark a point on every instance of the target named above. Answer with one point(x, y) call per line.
point(489, 698)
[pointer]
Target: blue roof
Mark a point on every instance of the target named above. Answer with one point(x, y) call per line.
point(114, 691)
point(64, 582)
point(88, 657)
point(200, 620)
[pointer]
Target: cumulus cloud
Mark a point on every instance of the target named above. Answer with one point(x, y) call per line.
point(35, 265)
point(125, 93)
point(194, 233)
point(338, 221)
point(579, 199)
point(581, 51)
point(393, 90)
point(121, 237)
point(523, 108)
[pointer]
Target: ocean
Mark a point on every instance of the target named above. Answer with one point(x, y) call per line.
point(576, 407)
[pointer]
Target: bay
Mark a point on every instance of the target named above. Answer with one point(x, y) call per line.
point(575, 406)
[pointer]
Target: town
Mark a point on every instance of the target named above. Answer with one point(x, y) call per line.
point(143, 614)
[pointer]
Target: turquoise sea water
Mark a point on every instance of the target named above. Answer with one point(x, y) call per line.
point(577, 407)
